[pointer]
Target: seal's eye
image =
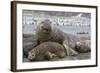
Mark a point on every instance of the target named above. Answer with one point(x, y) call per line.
point(33, 54)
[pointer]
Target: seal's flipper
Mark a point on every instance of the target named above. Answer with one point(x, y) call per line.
point(69, 51)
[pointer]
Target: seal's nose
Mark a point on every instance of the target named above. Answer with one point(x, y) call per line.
point(30, 58)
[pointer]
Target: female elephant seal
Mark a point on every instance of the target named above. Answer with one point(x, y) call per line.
point(47, 51)
point(45, 32)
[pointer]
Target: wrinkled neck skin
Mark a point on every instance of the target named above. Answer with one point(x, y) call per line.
point(43, 36)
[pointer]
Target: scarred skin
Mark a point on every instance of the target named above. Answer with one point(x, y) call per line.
point(47, 51)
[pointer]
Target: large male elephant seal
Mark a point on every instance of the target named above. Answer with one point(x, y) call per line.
point(45, 32)
point(47, 51)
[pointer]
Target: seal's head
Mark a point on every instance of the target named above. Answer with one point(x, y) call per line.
point(45, 26)
point(31, 55)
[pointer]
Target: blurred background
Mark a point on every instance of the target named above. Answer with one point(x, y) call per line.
point(69, 22)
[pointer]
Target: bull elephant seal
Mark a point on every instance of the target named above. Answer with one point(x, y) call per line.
point(47, 51)
point(45, 32)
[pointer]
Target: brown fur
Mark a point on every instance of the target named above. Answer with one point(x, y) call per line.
point(47, 51)
point(45, 32)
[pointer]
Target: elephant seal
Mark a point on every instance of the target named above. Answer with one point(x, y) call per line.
point(45, 32)
point(46, 51)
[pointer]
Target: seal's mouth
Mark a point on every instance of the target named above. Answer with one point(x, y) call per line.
point(30, 58)
point(46, 30)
